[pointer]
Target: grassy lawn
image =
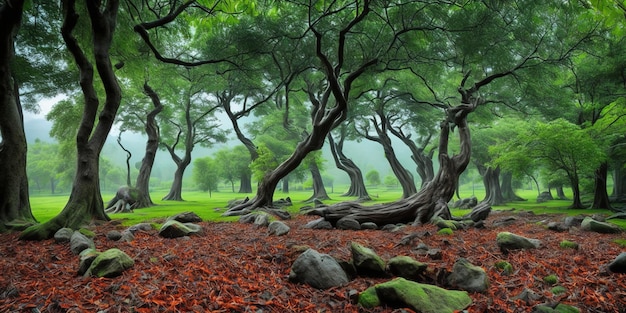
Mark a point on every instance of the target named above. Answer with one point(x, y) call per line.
point(211, 208)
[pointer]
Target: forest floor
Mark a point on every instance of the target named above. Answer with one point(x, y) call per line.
point(235, 267)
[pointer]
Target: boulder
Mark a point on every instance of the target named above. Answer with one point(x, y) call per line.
point(509, 241)
point(318, 270)
point(86, 257)
point(63, 235)
point(618, 265)
point(175, 229)
point(573, 221)
point(369, 225)
point(80, 242)
point(406, 267)
point(544, 196)
point(348, 224)
point(589, 224)
point(186, 217)
point(141, 226)
point(468, 277)
point(418, 297)
point(261, 219)
point(558, 308)
point(319, 223)
point(278, 228)
point(366, 260)
point(443, 223)
point(110, 263)
point(114, 235)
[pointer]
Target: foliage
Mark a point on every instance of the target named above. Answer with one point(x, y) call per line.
point(206, 174)
point(232, 164)
point(373, 177)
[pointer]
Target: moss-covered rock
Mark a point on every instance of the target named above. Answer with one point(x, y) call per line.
point(560, 308)
point(88, 233)
point(509, 241)
point(445, 231)
point(551, 279)
point(406, 266)
point(566, 244)
point(589, 224)
point(366, 260)
point(110, 263)
point(418, 297)
point(505, 267)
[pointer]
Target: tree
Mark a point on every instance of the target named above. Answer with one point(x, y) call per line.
point(314, 162)
point(206, 174)
point(233, 165)
point(373, 177)
point(15, 211)
point(357, 184)
point(44, 161)
point(85, 202)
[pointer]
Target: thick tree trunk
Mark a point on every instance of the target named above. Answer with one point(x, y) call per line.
point(560, 194)
point(600, 195)
point(357, 184)
point(152, 145)
point(319, 191)
point(508, 193)
point(429, 201)
point(619, 182)
point(176, 188)
point(15, 210)
point(85, 202)
point(491, 180)
point(245, 183)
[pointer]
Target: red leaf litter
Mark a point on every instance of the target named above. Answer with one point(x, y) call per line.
point(235, 267)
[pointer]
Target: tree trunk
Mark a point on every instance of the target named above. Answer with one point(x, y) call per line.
point(319, 191)
point(176, 188)
point(285, 188)
point(152, 145)
point(576, 203)
point(245, 185)
point(424, 161)
point(600, 195)
point(619, 182)
point(85, 202)
point(560, 194)
point(491, 180)
point(15, 210)
point(429, 201)
point(357, 184)
point(508, 194)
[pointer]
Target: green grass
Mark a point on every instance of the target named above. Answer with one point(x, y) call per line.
point(45, 207)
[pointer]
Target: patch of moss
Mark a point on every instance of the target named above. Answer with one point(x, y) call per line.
point(566, 244)
point(88, 233)
point(558, 290)
point(551, 279)
point(620, 242)
point(505, 267)
point(369, 298)
point(445, 231)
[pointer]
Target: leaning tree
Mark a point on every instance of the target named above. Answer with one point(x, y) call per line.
point(85, 203)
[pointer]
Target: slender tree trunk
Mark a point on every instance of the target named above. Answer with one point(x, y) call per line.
point(424, 161)
point(508, 193)
point(319, 191)
point(619, 181)
point(152, 145)
point(85, 202)
point(285, 188)
point(357, 184)
point(176, 188)
point(576, 203)
point(600, 195)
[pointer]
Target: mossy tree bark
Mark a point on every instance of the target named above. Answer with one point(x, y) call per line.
point(85, 202)
point(15, 210)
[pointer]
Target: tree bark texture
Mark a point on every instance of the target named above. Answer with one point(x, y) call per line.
point(491, 180)
point(152, 145)
point(15, 210)
point(85, 202)
point(319, 191)
point(357, 184)
point(423, 160)
point(600, 195)
point(430, 200)
point(508, 194)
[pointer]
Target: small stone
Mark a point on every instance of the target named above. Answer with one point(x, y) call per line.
point(114, 235)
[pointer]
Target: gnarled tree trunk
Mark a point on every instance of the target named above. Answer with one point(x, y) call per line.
point(491, 180)
point(319, 191)
point(152, 145)
point(85, 202)
point(423, 160)
point(429, 201)
point(15, 211)
point(357, 184)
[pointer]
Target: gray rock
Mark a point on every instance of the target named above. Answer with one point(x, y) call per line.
point(261, 219)
point(247, 218)
point(110, 263)
point(141, 226)
point(86, 257)
point(407, 267)
point(418, 297)
point(618, 265)
point(319, 223)
point(318, 270)
point(63, 235)
point(468, 277)
point(114, 235)
point(278, 228)
point(348, 224)
point(573, 221)
point(175, 229)
point(544, 196)
point(508, 241)
point(589, 224)
point(186, 217)
point(366, 260)
point(503, 222)
point(369, 225)
point(558, 227)
point(80, 242)
point(127, 236)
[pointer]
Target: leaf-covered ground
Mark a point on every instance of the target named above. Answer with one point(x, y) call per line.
point(236, 267)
